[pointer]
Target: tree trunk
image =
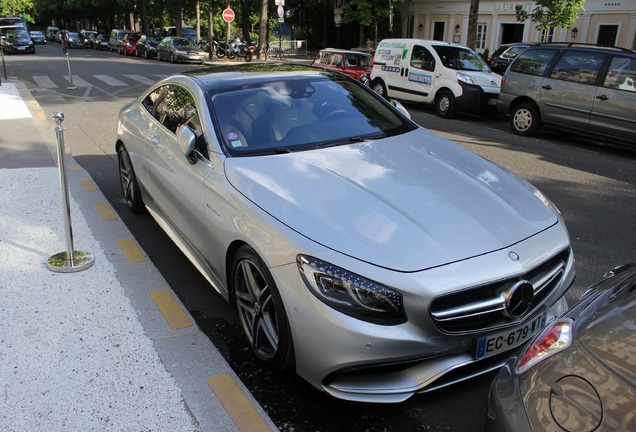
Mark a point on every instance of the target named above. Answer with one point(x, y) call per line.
point(211, 29)
point(472, 24)
point(262, 32)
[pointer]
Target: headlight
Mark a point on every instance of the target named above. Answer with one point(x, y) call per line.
point(466, 78)
point(351, 294)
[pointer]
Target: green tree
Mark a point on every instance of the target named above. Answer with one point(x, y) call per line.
point(551, 13)
point(17, 7)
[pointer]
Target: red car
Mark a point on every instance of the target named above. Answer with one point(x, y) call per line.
point(353, 63)
point(128, 43)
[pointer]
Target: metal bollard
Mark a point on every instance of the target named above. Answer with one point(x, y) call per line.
point(69, 261)
point(70, 74)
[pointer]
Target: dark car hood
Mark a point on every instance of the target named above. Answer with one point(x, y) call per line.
point(407, 203)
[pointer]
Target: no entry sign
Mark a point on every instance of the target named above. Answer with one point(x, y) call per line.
point(228, 15)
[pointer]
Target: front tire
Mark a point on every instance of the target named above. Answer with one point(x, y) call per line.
point(248, 56)
point(128, 180)
point(379, 87)
point(445, 104)
point(172, 60)
point(261, 311)
point(525, 119)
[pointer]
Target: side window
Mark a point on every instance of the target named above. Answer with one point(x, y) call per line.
point(578, 66)
point(336, 60)
point(422, 58)
point(174, 107)
point(323, 58)
point(533, 62)
point(621, 74)
point(154, 102)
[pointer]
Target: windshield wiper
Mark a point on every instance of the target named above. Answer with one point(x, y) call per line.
point(352, 139)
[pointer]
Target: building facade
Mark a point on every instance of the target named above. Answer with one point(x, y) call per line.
point(602, 22)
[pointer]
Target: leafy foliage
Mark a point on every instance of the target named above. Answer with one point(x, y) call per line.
point(551, 13)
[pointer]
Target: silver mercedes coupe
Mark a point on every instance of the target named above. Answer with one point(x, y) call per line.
point(372, 256)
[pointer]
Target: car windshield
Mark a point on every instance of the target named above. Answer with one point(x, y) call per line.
point(73, 35)
point(183, 42)
point(18, 35)
point(36, 33)
point(460, 58)
point(280, 116)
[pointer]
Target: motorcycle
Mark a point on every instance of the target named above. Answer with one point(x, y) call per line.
point(238, 48)
point(219, 49)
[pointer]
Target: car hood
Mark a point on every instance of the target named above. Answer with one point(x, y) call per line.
point(187, 48)
point(406, 203)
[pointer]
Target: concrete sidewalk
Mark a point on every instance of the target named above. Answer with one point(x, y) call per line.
point(107, 348)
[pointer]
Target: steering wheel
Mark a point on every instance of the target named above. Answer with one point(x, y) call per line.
point(336, 115)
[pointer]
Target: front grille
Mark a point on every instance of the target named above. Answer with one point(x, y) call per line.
point(484, 307)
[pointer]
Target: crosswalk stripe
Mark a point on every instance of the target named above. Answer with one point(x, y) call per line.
point(110, 80)
point(77, 81)
point(141, 79)
point(44, 81)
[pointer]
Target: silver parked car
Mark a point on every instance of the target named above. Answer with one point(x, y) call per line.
point(579, 374)
point(584, 89)
point(377, 258)
point(180, 50)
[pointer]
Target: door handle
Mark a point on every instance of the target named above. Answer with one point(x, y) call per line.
point(547, 87)
point(602, 97)
point(155, 139)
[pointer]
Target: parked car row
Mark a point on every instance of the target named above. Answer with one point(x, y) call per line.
point(581, 88)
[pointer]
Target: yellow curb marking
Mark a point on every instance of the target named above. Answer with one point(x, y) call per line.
point(106, 212)
point(170, 309)
point(88, 185)
point(75, 168)
point(41, 116)
point(238, 406)
point(131, 250)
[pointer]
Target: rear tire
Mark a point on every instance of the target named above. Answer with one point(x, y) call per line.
point(128, 180)
point(525, 119)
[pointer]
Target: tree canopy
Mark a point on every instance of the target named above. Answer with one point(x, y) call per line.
point(551, 13)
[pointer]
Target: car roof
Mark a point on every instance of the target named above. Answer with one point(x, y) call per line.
point(584, 46)
point(216, 78)
point(343, 51)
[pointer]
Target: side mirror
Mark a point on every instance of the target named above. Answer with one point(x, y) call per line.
point(186, 140)
point(398, 106)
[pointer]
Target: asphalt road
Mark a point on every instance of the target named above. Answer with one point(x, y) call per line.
point(593, 185)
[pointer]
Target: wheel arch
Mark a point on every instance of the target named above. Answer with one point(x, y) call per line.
point(232, 249)
point(520, 100)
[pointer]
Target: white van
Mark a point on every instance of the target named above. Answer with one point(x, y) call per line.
point(452, 77)
point(52, 32)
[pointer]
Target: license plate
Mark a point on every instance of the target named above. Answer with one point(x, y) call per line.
point(21, 48)
point(492, 101)
point(500, 342)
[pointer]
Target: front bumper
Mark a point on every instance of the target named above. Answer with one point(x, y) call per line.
point(475, 100)
point(190, 58)
point(360, 361)
point(16, 49)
